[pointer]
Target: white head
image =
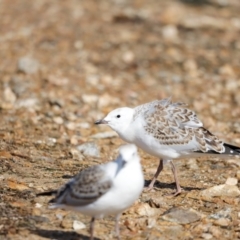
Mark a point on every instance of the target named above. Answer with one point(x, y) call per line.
point(129, 152)
point(118, 119)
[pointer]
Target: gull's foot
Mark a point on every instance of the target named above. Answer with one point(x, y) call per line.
point(178, 192)
point(148, 189)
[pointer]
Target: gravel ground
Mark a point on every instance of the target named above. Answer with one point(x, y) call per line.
point(65, 64)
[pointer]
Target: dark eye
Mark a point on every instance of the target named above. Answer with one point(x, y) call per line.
point(118, 116)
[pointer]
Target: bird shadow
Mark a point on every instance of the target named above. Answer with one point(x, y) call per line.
point(196, 2)
point(61, 235)
point(162, 185)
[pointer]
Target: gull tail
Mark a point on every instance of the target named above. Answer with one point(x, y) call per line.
point(231, 150)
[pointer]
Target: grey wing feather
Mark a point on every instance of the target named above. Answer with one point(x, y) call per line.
point(84, 188)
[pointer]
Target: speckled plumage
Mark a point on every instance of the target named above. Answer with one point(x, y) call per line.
point(173, 124)
point(166, 130)
point(86, 187)
point(106, 189)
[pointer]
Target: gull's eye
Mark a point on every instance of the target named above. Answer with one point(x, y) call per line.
point(118, 116)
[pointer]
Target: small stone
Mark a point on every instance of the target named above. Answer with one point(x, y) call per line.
point(151, 222)
point(227, 70)
point(28, 65)
point(190, 65)
point(89, 149)
point(68, 220)
point(38, 205)
point(74, 140)
point(221, 190)
point(192, 164)
point(106, 100)
point(83, 125)
point(224, 213)
point(128, 57)
point(76, 154)
point(58, 120)
point(51, 141)
point(110, 134)
point(70, 125)
point(232, 181)
point(215, 231)
point(171, 232)
point(58, 80)
point(145, 210)
point(235, 162)
point(207, 236)
point(89, 98)
point(170, 32)
point(27, 103)
point(9, 96)
point(77, 225)
point(181, 216)
point(67, 223)
point(223, 222)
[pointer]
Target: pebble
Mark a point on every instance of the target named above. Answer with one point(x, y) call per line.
point(171, 232)
point(58, 120)
point(181, 216)
point(83, 125)
point(57, 80)
point(207, 236)
point(221, 190)
point(77, 225)
point(51, 141)
point(192, 164)
point(107, 100)
point(223, 222)
point(197, 22)
point(145, 210)
point(224, 213)
point(109, 134)
point(170, 32)
point(28, 65)
point(38, 205)
point(27, 103)
point(89, 149)
point(215, 231)
point(68, 220)
point(231, 181)
point(90, 98)
point(9, 96)
point(128, 57)
point(76, 154)
point(227, 70)
point(67, 223)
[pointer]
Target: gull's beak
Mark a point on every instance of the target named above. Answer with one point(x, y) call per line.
point(102, 121)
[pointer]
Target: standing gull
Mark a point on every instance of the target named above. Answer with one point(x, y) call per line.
point(102, 190)
point(166, 130)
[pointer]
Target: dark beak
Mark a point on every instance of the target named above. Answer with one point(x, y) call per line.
point(102, 121)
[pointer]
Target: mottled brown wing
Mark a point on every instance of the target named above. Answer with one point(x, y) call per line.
point(168, 122)
point(173, 124)
point(85, 188)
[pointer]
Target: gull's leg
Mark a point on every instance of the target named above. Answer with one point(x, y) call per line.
point(174, 170)
point(117, 226)
point(92, 228)
point(159, 169)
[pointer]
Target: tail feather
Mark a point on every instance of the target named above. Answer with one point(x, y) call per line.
point(231, 150)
